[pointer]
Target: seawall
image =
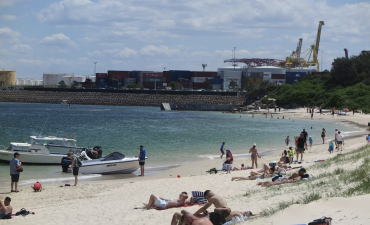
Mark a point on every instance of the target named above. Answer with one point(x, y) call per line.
point(193, 101)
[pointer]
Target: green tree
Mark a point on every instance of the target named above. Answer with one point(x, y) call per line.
point(207, 84)
point(174, 85)
point(247, 85)
point(62, 84)
point(88, 81)
point(233, 85)
point(132, 86)
point(343, 71)
point(74, 84)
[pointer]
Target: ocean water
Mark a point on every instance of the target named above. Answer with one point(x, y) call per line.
point(169, 137)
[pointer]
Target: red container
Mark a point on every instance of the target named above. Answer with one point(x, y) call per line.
point(277, 76)
point(203, 74)
point(197, 85)
point(152, 74)
point(151, 84)
point(101, 75)
point(118, 75)
point(165, 73)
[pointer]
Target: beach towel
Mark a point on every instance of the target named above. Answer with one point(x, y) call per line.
point(198, 197)
point(186, 205)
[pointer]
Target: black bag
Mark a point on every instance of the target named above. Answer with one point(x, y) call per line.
point(322, 221)
point(213, 170)
point(19, 169)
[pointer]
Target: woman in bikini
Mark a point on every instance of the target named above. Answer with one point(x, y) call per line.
point(323, 135)
point(266, 171)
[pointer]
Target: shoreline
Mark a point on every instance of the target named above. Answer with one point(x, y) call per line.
point(115, 199)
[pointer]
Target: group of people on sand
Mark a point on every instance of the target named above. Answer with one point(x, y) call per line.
point(220, 215)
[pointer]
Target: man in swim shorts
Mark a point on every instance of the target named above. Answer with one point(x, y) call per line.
point(254, 155)
point(222, 149)
point(162, 203)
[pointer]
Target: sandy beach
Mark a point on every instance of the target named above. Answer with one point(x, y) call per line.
point(113, 201)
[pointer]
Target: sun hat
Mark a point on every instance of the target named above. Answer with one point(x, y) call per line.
point(254, 144)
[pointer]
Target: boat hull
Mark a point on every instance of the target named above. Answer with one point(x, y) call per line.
point(109, 167)
point(28, 158)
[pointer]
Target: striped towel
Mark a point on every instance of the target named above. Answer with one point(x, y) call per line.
point(198, 197)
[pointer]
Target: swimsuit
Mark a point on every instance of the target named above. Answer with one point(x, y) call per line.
point(161, 204)
point(253, 156)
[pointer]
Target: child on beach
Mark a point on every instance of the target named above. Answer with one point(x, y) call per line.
point(331, 146)
point(310, 140)
point(241, 168)
point(287, 140)
point(290, 154)
point(368, 139)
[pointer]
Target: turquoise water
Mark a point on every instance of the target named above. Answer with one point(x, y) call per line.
point(170, 137)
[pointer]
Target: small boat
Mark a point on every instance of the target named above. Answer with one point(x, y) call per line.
point(36, 154)
point(41, 150)
point(110, 164)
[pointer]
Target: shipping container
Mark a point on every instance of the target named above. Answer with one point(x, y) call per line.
point(278, 81)
point(129, 81)
point(151, 85)
point(179, 75)
point(135, 73)
point(217, 86)
point(101, 75)
point(151, 75)
point(197, 85)
point(203, 74)
point(292, 80)
point(295, 74)
point(216, 81)
point(118, 75)
point(200, 79)
point(165, 73)
point(100, 81)
point(154, 79)
point(278, 76)
point(185, 84)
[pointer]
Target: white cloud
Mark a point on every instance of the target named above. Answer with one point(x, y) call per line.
point(8, 17)
point(22, 48)
point(152, 50)
point(60, 40)
point(6, 32)
point(4, 3)
point(118, 53)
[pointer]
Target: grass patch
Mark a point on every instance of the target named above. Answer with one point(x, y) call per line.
point(343, 181)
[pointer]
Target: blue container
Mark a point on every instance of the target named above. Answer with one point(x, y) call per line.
point(216, 81)
point(100, 81)
point(135, 73)
point(179, 75)
point(295, 74)
point(292, 80)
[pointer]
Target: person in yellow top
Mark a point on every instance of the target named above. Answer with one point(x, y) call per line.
point(290, 154)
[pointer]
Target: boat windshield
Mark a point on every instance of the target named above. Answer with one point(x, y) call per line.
point(113, 156)
point(9, 148)
point(46, 142)
point(70, 144)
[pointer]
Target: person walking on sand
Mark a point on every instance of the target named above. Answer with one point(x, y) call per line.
point(310, 141)
point(287, 140)
point(254, 155)
point(75, 168)
point(340, 141)
point(300, 146)
point(323, 135)
point(141, 160)
point(222, 150)
point(14, 171)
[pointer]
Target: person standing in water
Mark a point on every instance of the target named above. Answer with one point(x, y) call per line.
point(323, 135)
point(142, 160)
point(254, 155)
point(222, 149)
point(287, 140)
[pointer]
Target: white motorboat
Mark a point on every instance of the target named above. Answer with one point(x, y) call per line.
point(110, 164)
point(41, 150)
point(37, 154)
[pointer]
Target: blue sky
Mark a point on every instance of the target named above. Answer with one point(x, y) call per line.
point(68, 36)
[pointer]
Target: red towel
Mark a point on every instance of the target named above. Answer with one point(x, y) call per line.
point(186, 205)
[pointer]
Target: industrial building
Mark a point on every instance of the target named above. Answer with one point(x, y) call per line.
point(7, 77)
point(28, 82)
point(53, 79)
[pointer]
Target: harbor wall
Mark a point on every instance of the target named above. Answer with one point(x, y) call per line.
point(201, 102)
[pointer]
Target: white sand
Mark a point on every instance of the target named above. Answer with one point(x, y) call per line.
point(112, 202)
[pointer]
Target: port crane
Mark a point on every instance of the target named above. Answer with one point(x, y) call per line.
point(295, 59)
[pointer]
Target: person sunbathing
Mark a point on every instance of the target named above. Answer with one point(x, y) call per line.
point(162, 203)
point(248, 214)
point(186, 217)
point(283, 180)
point(241, 168)
point(266, 171)
point(5, 209)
